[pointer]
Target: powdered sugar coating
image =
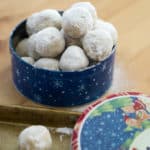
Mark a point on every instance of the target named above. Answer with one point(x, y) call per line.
point(29, 60)
point(22, 47)
point(47, 63)
point(32, 47)
point(26, 47)
point(88, 6)
point(77, 21)
point(49, 42)
point(71, 41)
point(97, 44)
point(100, 24)
point(73, 59)
point(35, 138)
point(43, 19)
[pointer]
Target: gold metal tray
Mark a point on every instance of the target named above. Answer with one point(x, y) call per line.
point(13, 119)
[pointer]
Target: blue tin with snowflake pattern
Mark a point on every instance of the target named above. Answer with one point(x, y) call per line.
point(118, 122)
point(58, 88)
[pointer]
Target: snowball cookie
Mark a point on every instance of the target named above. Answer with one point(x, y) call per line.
point(73, 59)
point(27, 48)
point(22, 48)
point(98, 23)
point(71, 41)
point(49, 42)
point(97, 44)
point(35, 138)
point(109, 28)
point(29, 60)
point(77, 21)
point(31, 47)
point(47, 63)
point(43, 19)
point(88, 6)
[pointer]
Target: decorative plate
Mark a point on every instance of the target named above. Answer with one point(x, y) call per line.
point(119, 122)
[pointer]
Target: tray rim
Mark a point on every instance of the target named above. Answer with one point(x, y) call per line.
point(33, 115)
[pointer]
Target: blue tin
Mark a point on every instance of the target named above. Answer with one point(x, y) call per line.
point(59, 88)
point(119, 122)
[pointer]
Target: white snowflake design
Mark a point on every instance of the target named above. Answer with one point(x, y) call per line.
point(81, 88)
point(96, 84)
point(28, 78)
point(40, 89)
point(62, 92)
point(24, 80)
point(27, 67)
point(103, 83)
point(58, 84)
point(61, 75)
point(94, 79)
point(104, 67)
point(110, 70)
point(17, 72)
point(80, 81)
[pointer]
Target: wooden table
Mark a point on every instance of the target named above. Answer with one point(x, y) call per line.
point(131, 17)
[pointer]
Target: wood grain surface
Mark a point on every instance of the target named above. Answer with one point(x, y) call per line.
point(131, 18)
point(18, 118)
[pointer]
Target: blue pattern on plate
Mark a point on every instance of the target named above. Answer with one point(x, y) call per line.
point(107, 131)
point(106, 126)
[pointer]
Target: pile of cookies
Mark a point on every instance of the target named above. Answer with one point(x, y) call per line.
point(67, 42)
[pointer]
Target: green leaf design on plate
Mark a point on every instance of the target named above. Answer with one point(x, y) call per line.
point(146, 124)
point(110, 106)
point(128, 128)
point(129, 141)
